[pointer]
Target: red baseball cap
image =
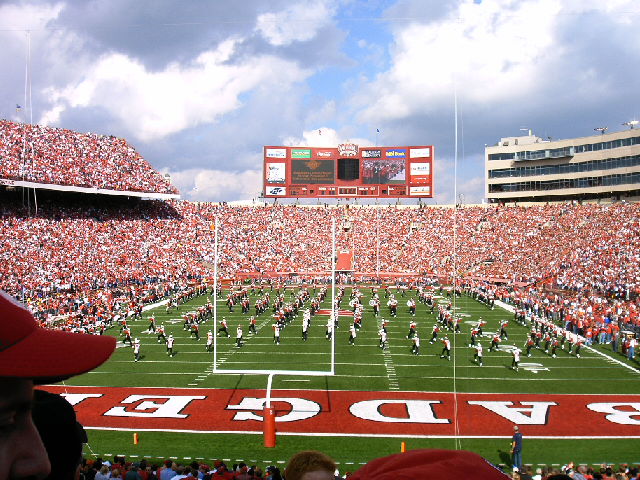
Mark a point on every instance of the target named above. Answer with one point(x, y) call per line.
point(45, 356)
point(429, 464)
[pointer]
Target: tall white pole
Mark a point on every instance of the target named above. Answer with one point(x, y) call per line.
point(25, 106)
point(377, 244)
point(334, 311)
point(215, 297)
point(35, 198)
point(454, 263)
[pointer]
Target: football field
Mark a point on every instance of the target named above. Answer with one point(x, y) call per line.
point(583, 409)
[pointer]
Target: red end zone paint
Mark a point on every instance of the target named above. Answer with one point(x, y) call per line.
point(357, 413)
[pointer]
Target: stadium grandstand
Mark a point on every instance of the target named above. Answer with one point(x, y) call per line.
point(59, 159)
point(578, 248)
point(119, 239)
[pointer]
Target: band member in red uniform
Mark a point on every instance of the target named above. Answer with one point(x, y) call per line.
point(495, 341)
point(446, 350)
point(223, 327)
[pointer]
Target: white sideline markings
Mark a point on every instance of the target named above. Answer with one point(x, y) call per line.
point(611, 359)
point(362, 435)
point(444, 377)
point(253, 461)
point(510, 308)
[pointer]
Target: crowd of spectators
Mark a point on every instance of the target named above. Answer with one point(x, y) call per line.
point(120, 468)
point(79, 266)
point(584, 258)
point(46, 155)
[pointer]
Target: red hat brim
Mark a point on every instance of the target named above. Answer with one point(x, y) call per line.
point(49, 356)
point(429, 464)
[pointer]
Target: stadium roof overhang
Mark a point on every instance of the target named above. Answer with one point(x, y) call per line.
point(96, 191)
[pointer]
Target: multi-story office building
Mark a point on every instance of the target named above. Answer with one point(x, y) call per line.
point(529, 169)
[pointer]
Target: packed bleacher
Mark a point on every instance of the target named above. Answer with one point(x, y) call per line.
point(45, 155)
point(148, 470)
point(78, 266)
point(578, 249)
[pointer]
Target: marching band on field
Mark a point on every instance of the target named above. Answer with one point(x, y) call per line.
point(544, 334)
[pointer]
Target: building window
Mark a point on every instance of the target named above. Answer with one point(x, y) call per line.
point(567, 168)
point(587, 182)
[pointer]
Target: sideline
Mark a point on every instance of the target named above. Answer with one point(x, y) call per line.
point(151, 306)
point(512, 309)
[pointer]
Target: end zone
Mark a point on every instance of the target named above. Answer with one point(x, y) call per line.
point(342, 413)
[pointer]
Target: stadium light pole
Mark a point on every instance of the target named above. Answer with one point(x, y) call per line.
point(215, 295)
point(454, 259)
point(378, 245)
point(334, 312)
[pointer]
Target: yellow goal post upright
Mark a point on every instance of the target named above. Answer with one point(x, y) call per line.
point(268, 412)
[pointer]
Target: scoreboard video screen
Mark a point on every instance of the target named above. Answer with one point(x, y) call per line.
point(348, 171)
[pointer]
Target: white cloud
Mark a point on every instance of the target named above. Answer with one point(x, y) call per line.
point(491, 50)
point(471, 190)
point(325, 113)
point(23, 17)
point(322, 137)
point(217, 185)
point(495, 52)
point(296, 23)
point(153, 104)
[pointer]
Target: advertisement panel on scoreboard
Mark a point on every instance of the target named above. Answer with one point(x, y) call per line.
point(420, 191)
point(276, 191)
point(424, 152)
point(276, 172)
point(374, 153)
point(324, 153)
point(300, 153)
point(420, 169)
point(383, 171)
point(276, 153)
point(312, 171)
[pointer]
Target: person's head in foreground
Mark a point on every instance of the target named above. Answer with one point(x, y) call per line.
point(429, 464)
point(31, 355)
point(310, 465)
point(60, 432)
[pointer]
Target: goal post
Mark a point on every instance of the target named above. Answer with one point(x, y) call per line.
point(269, 430)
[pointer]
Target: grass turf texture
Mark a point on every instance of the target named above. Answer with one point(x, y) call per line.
point(359, 367)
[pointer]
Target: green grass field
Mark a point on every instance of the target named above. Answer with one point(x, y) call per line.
point(363, 367)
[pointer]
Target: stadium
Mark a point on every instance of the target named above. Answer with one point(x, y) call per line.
point(319, 240)
point(246, 292)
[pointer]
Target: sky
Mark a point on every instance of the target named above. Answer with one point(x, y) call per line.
point(198, 87)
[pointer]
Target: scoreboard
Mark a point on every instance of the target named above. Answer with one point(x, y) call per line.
point(348, 171)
